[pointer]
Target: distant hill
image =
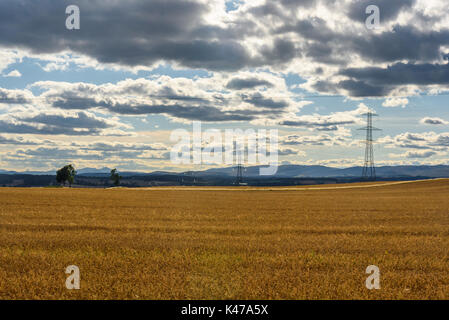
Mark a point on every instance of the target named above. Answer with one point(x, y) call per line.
point(286, 175)
point(299, 171)
point(284, 171)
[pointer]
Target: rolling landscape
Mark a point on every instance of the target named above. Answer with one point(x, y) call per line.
point(285, 175)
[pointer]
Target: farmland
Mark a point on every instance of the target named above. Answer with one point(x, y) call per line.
point(226, 243)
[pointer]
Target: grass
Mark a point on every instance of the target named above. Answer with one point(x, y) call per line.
point(219, 244)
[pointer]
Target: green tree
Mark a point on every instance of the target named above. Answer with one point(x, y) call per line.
point(115, 177)
point(66, 174)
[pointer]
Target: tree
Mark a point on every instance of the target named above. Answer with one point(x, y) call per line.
point(115, 177)
point(66, 174)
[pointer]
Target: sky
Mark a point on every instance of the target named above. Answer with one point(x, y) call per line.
point(111, 93)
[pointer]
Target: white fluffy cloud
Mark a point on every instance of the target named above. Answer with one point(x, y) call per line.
point(395, 102)
point(13, 74)
point(241, 97)
point(424, 141)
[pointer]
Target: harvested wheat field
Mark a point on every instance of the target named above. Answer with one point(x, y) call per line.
point(226, 243)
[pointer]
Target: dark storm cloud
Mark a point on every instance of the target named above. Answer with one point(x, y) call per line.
point(41, 24)
point(353, 88)
point(297, 3)
point(202, 113)
point(169, 94)
point(281, 52)
point(402, 43)
point(213, 55)
point(137, 32)
point(325, 86)
point(323, 53)
point(258, 100)
point(312, 29)
point(249, 83)
point(267, 9)
point(363, 89)
point(380, 82)
point(130, 32)
point(402, 74)
point(50, 124)
point(142, 33)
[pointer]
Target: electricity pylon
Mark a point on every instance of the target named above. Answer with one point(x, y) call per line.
point(239, 177)
point(369, 170)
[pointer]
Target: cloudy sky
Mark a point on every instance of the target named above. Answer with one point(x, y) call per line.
point(111, 93)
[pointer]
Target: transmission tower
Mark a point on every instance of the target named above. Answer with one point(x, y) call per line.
point(239, 177)
point(369, 170)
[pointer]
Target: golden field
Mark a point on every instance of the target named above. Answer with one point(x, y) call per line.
point(226, 243)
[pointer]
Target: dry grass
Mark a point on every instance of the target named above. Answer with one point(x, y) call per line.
point(172, 244)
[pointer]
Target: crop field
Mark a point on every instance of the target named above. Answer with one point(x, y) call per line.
point(226, 243)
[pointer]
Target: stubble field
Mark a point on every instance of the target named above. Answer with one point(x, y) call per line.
point(175, 243)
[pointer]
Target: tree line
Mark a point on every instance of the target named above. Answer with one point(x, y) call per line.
point(67, 175)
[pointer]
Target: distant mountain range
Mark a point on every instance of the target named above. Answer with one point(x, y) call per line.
point(284, 171)
point(299, 171)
